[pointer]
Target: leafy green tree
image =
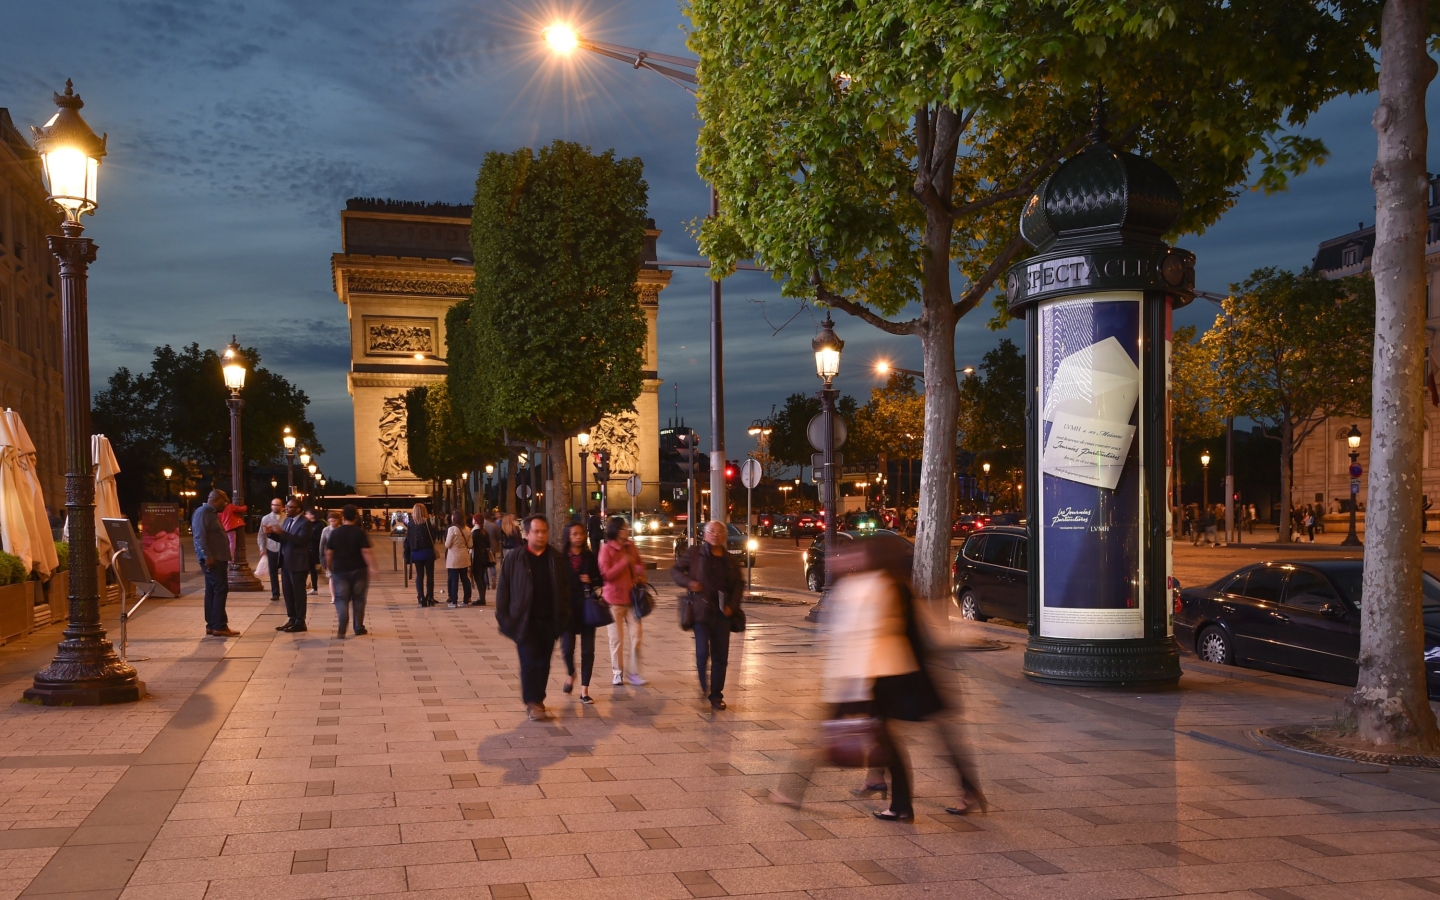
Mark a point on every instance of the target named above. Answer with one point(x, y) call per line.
point(555, 335)
point(789, 442)
point(1194, 392)
point(439, 444)
point(1290, 350)
point(892, 425)
point(992, 409)
point(176, 415)
point(864, 151)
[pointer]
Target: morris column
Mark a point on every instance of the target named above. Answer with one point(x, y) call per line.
point(1097, 300)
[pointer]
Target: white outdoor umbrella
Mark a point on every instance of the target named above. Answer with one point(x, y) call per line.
point(14, 523)
point(31, 519)
point(107, 496)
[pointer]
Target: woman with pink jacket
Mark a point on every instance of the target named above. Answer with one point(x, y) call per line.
point(622, 569)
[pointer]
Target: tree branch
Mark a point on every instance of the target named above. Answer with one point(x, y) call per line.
point(977, 289)
point(1025, 184)
point(862, 313)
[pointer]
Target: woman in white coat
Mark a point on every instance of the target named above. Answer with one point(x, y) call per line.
point(457, 558)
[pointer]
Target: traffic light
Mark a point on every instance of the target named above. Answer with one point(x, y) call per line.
point(602, 465)
point(729, 472)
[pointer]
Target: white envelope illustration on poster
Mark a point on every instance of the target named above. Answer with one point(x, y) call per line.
point(1089, 404)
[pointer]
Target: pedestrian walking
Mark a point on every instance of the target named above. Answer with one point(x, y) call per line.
point(716, 585)
point(295, 565)
point(332, 519)
point(510, 537)
point(317, 556)
point(457, 560)
point(351, 564)
point(595, 526)
point(584, 581)
point(621, 570)
point(876, 668)
point(497, 545)
point(212, 549)
point(1252, 518)
point(420, 541)
point(479, 557)
point(1212, 522)
point(532, 607)
point(269, 548)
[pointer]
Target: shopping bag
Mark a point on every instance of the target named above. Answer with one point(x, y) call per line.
point(262, 568)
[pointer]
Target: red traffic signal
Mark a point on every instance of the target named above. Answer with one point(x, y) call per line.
point(729, 471)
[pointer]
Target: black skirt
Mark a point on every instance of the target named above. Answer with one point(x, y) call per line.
point(911, 697)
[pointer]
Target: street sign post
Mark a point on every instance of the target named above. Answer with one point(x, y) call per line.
point(632, 487)
point(750, 473)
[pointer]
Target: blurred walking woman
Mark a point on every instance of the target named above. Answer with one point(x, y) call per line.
point(509, 534)
point(876, 667)
point(420, 541)
point(584, 583)
point(457, 559)
point(622, 569)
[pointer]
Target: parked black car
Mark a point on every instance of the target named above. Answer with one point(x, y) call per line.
point(1296, 617)
point(991, 575)
point(813, 559)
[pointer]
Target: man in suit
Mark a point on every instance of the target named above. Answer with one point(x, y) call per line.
point(293, 536)
point(271, 549)
point(212, 548)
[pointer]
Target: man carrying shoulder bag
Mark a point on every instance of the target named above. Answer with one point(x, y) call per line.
point(716, 586)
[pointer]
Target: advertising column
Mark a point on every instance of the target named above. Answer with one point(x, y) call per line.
point(1097, 297)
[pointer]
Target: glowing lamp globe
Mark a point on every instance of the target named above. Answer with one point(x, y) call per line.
point(70, 153)
point(827, 349)
point(561, 38)
point(234, 367)
point(1353, 437)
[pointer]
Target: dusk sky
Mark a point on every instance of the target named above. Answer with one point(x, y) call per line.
point(238, 130)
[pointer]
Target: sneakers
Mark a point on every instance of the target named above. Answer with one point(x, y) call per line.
point(618, 680)
point(637, 680)
point(452, 604)
point(314, 591)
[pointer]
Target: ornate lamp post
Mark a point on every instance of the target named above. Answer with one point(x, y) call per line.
point(238, 575)
point(85, 671)
point(827, 347)
point(312, 468)
point(1352, 438)
point(289, 440)
point(168, 473)
point(273, 483)
point(489, 476)
point(1097, 297)
point(985, 467)
point(1205, 481)
point(583, 508)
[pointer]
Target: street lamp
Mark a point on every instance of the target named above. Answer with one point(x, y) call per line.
point(274, 483)
point(85, 670)
point(289, 440)
point(304, 457)
point(583, 507)
point(985, 467)
point(1352, 438)
point(168, 472)
point(489, 475)
point(827, 346)
point(238, 573)
point(1205, 488)
point(563, 40)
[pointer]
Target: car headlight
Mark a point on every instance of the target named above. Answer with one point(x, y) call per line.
point(752, 545)
point(639, 527)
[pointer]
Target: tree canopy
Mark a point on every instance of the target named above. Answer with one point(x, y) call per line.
point(892, 423)
point(789, 443)
point(176, 415)
point(439, 444)
point(860, 150)
point(554, 337)
point(992, 408)
point(1291, 349)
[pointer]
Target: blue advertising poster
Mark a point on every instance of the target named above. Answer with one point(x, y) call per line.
point(1091, 425)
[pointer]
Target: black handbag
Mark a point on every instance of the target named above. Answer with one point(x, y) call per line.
point(594, 611)
point(644, 600)
point(737, 620)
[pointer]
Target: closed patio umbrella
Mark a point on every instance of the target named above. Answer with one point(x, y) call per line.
point(24, 518)
point(107, 496)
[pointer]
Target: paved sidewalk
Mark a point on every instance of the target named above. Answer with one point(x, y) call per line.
point(299, 766)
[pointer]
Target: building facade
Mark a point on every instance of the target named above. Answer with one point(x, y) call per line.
point(31, 377)
point(402, 266)
point(1322, 461)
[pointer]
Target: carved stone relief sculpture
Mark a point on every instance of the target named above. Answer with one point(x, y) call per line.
point(394, 449)
point(399, 337)
point(620, 434)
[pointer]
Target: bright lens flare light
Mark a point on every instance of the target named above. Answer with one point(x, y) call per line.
point(561, 38)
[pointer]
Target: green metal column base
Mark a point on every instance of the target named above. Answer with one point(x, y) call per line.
point(1147, 663)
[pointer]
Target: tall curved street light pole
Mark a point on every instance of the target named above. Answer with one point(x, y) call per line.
point(681, 71)
point(238, 574)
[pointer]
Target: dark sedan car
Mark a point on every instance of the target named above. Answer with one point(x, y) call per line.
point(1297, 617)
point(991, 575)
point(813, 559)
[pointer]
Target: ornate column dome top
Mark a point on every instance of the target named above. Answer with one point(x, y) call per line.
point(1101, 196)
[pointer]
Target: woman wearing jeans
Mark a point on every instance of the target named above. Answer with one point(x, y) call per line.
point(622, 569)
point(584, 578)
point(420, 548)
point(457, 559)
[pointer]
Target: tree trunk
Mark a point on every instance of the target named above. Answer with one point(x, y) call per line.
point(1287, 469)
point(931, 575)
point(557, 464)
point(1390, 703)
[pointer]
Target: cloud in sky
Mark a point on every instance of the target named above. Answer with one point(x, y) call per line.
point(237, 131)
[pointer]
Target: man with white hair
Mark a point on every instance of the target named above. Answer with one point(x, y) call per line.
point(716, 585)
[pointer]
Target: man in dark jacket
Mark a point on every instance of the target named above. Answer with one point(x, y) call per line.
point(295, 563)
point(532, 608)
point(212, 548)
point(716, 585)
